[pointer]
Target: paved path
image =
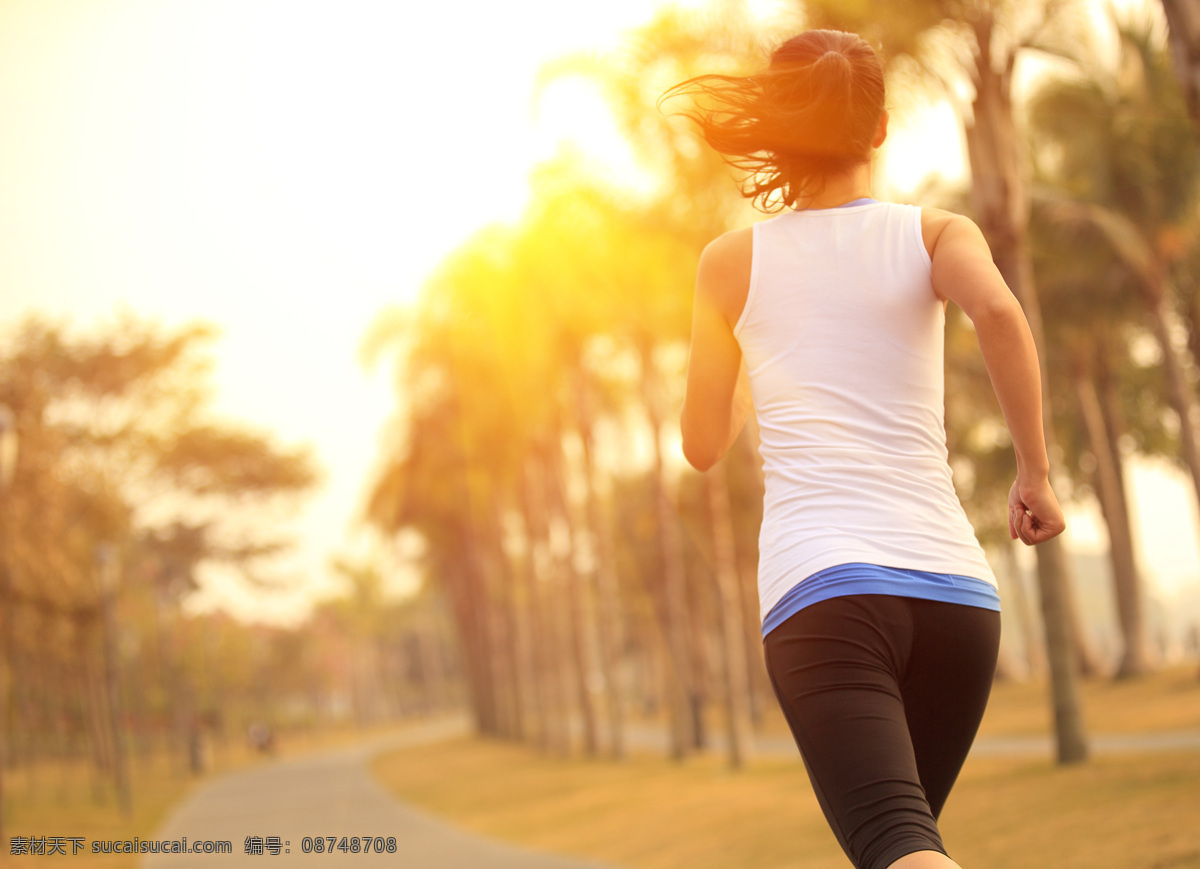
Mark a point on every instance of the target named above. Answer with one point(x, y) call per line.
point(655, 739)
point(331, 794)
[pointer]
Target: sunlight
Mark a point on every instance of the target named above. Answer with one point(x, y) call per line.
point(287, 170)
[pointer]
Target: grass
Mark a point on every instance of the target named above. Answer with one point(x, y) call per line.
point(67, 800)
point(53, 799)
point(1128, 812)
point(1167, 699)
point(1121, 811)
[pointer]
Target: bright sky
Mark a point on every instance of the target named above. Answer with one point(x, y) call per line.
point(288, 168)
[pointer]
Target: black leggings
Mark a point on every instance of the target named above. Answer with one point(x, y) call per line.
point(884, 695)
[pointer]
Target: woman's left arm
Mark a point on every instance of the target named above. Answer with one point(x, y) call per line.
point(717, 399)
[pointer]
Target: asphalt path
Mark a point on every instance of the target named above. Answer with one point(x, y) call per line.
point(654, 739)
point(330, 794)
point(275, 813)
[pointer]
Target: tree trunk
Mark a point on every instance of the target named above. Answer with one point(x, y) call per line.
point(507, 651)
point(1031, 636)
point(465, 587)
point(670, 549)
point(6, 646)
point(576, 604)
point(1002, 207)
point(468, 578)
point(553, 736)
point(761, 695)
point(733, 650)
point(699, 667)
point(1110, 490)
point(1181, 393)
point(604, 586)
point(1183, 21)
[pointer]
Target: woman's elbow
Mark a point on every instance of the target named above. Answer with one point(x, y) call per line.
point(697, 458)
point(1001, 313)
point(699, 454)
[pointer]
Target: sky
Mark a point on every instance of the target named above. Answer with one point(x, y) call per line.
point(288, 169)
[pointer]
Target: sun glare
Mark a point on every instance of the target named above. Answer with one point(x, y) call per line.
point(287, 169)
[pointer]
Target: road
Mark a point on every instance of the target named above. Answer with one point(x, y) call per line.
point(331, 793)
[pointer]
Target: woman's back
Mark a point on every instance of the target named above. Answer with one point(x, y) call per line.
point(842, 335)
point(880, 614)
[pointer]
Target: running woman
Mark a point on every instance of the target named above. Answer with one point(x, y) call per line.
point(880, 613)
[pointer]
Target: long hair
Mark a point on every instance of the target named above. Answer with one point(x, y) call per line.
point(812, 113)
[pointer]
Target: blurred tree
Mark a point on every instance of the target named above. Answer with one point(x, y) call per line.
point(1134, 183)
point(1183, 18)
point(939, 43)
point(690, 201)
point(1123, 154)
point(118, 455)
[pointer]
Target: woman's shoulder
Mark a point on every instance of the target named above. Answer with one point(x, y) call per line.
point(935, 221)
point(723, 275)
point(729, 245)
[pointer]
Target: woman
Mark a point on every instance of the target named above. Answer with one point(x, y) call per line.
point(880, 613)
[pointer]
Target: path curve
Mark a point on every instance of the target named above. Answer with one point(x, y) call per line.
point(331, 793)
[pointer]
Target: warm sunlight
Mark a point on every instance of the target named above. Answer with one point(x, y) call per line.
point(283, 169)
point(287, 170)
point(414, 443)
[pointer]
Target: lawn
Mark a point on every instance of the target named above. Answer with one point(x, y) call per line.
point(1130, 811)
point(1121, 811)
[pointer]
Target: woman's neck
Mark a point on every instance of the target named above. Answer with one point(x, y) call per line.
point(841, 188)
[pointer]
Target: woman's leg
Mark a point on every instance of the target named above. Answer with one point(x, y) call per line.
point(945, 689)
point(838, 668)
point(925, 860)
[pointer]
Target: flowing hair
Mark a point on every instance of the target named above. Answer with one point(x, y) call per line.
point(812, 113)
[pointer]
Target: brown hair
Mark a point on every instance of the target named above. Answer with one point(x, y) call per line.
point(812, 113)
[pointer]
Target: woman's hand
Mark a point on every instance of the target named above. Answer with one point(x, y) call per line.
point(1033, 512)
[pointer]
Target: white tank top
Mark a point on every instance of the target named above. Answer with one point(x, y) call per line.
point(843, 336)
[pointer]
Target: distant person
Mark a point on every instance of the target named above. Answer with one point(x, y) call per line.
point(880, 613)
point(261, 737)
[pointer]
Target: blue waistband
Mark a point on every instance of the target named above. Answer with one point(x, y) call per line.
point(862, 578)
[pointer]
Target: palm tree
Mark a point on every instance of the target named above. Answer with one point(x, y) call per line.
point(983, 39)
point(693, 201)
point(1183, 19)
point(1126, 156)
point(1093, 312)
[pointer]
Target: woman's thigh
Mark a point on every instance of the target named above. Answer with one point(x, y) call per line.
point(841, 669)
point(945, 689)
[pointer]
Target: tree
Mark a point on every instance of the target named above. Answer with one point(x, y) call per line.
point(122, 476)
point(984, 39)
point(1129, 186)
point(693, 200)
point(1183, 19)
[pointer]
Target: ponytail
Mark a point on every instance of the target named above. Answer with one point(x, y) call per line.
point(811, 114)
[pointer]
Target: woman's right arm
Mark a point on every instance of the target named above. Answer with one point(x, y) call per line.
point(964, 273)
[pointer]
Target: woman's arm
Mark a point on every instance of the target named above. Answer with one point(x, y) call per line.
point(964, 273)
point(717, 399)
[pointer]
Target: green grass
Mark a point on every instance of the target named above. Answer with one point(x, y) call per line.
point(1124, 811)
